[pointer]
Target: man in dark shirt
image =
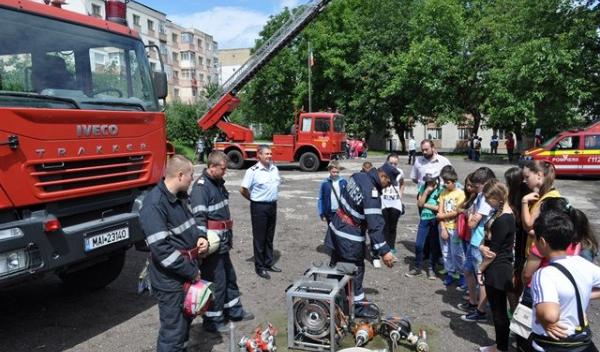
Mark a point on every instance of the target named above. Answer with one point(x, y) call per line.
point(210, 205)
point(174, 242)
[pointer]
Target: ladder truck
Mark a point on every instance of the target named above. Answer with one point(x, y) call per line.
point(317, 137)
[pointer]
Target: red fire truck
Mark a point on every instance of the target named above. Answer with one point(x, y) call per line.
point(82, 139)
point(318, 136)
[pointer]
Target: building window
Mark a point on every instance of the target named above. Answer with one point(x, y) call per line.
point(176, 92)
point(176, 74)
point(464, 133)
point(502, 134)
point(136, 20)
point(174, 38)
point(200, 60)
point(175, 58)
point(96, 11)
point(161, 28)
point(187, 38)
point(215, 46)
point(150, 26)
point(151, 43)
point(434, 133)
point(188, 56)
point(201, 77)
point(207, 63)
point(199, 43)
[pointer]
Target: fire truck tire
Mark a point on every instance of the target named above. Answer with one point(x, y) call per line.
point(310, 162)
point(96, 276)
point(236, 159)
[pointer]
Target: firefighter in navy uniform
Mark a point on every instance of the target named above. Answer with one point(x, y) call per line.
point(175, 242)
point(360, 214)
point(210, 205)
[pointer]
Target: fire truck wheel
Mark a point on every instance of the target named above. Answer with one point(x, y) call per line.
point(96, 276)
point(309, 161)
point(236, 159)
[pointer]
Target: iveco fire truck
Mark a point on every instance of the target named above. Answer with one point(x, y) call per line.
point(318, 136)
point(82, 138)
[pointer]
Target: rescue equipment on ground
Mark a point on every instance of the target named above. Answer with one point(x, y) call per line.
point(320, 309)
point(262, 341)
point(198, 295)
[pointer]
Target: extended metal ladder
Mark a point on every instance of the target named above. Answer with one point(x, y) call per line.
point(270, 48)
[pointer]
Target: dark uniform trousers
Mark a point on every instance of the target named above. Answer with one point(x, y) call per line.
point(174, 325)
point(264, 218)
point(218, 269)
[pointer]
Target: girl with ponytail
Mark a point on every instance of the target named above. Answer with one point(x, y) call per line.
point(497, 266)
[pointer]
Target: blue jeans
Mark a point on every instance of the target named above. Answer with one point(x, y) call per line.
point(473, 260)
point(426, 228)
point(457, 253)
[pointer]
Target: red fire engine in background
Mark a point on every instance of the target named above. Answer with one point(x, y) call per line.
point(317, 136)
point(82, 139)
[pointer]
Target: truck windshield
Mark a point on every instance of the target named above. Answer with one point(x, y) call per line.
point(46, 63)
point(338, 123)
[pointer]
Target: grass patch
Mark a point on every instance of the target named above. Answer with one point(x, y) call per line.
point(185, 150)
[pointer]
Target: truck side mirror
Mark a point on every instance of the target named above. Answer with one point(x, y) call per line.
point(160, 85)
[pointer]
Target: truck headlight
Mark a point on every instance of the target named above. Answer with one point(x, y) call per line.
point(8, 234)
point(13, 261)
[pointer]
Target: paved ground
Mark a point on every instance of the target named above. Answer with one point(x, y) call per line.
point(44, 316)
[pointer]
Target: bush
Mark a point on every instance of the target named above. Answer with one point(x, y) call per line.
point(182, 126)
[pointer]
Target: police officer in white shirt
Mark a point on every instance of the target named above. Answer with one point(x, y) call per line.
point(429, 163)
point(260, 186)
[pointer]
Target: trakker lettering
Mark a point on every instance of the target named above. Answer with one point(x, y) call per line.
point(63, 152)
point(97, 130)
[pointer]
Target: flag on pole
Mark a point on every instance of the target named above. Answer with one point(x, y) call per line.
point(311, 59)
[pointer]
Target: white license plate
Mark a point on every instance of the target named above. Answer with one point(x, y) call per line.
point(106, 238)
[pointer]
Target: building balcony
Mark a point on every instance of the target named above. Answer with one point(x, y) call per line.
point(187, 47)
point(187, 64)
point(188, 83)
point(151, 33)
point(162, 36)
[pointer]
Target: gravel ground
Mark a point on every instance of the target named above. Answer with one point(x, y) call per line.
point(44, 316)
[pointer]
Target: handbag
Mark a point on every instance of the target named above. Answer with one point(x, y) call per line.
point(462, 227)
point(581, 341)
point(521, 321)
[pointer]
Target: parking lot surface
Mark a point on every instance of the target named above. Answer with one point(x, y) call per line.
point(45, 316)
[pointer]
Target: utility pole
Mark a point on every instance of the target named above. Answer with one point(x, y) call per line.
point(310, 64)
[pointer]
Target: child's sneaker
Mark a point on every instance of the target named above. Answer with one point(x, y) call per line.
point(474, 316)
point(467, 307)
point(448, 280)
point(461, 283)
point(413, 272)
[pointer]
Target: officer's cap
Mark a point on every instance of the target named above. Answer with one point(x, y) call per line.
point(391, 171)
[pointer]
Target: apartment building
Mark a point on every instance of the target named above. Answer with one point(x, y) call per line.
point(231, 60)
point(193, 56)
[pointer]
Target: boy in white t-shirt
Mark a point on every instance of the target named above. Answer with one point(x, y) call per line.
point(556, 318)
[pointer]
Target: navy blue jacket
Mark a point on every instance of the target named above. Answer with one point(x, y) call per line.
point(361, 201)
point(210, 201)
point(169, 227)
point(324, 202)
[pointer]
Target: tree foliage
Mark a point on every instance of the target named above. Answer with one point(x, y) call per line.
point(512, 64)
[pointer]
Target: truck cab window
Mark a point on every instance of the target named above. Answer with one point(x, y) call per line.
point(322, 125)
point(57, 64)
point(306, 124)
point(568, 143)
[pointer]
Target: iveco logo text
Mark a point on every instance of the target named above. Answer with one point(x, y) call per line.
point(97, 130)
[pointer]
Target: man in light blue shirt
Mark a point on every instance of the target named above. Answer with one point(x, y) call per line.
point(261, 186)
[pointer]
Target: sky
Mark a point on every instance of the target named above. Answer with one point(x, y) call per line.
point(233, 23)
